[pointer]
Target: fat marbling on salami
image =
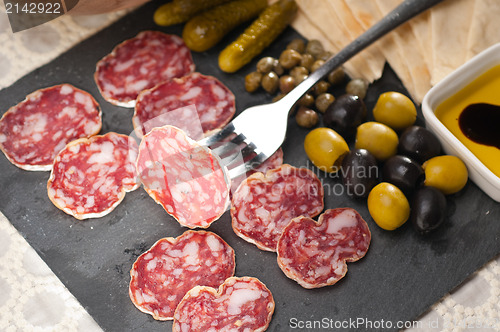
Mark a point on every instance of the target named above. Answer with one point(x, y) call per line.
point(90, 176)
point(183, 176)
point(264, 204)
point(315, 253)
point(34, 131)
point(140, 63)
point(195, 103)
point(240, 304)
point(162, 275)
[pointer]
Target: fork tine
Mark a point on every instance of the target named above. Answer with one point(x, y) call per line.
point(242, 169)
point(222, 149)
point(218, 136)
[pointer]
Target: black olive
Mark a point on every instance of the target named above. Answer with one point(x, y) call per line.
point(419, 144)
point(359, 172)
point(428, 209)
point(345, 114)
point(403, 172)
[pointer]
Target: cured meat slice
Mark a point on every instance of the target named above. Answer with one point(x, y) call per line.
point(264, 204)
point(91, 175)
point(315, 254)
point(161, 276)
point(183, 176)
point(195, 103)
point(34, 131)
point(140, 63)
point(240, 304)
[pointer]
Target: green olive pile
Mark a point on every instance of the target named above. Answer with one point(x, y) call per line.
point(280, 76)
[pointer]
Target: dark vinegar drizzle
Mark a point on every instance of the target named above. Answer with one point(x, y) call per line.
point(481, 123)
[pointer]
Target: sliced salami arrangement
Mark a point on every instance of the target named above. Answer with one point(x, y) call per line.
point(196, 103)
point(91, 176)
point(240, 304)
point(161, 276)
point(141, 63)
point(315, 253)
point(183, 176)
point(265, 203)
point(34, 131)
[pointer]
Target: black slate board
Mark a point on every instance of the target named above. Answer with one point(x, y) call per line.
point(402, 275)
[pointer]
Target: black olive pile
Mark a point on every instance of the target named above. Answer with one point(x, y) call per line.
point(280, 76)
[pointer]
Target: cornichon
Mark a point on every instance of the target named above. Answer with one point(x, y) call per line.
point(260, 34)
point(206, 29)
point(179, 11)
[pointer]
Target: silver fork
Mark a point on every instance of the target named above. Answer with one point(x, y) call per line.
point(252, 141)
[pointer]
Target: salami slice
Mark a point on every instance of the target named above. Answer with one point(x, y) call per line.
point(174, 102)
point(140, 63)
point(34, 131)
point(240, 304)
point(161, 276)
point(183, 176)
point(315, 254)
point(91, 175)
point(264, 204)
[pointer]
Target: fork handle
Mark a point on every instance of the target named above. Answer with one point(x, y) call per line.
point(405, 11)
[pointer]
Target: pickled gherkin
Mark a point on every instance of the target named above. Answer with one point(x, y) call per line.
point(206, 29)
point(179, 11)
point(260, 34)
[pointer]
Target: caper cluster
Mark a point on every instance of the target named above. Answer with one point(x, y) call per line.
point(280, 76)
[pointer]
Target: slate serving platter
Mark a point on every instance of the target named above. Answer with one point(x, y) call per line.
point(402, 275)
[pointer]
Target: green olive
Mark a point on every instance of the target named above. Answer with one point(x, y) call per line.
point(270, 82)
point(315, 48)
point(326, 149)
point(357, 87)
point(287, 83)
point(336, 76)
point(307, 61)
point(395, 110)
point(297, 44)
point(446, 173)
point(266, 64)
point(306, 117)
point(388, 206)
point(289, 59)
point(306, 100)
point(379, 139)
point(252, 81)
point(321, 87)
point(323, 101)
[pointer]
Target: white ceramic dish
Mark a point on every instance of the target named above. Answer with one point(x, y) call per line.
point(461, 77)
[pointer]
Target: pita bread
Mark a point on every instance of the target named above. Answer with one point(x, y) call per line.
point(450, 24)
point(484, 31)
point(409, 47)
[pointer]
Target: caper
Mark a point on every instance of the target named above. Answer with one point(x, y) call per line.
point(297, 44)
point(321, 87)
point(325, 55)
point(278, 68)
point(270, 82)
point(306, 100)
point(315, 48)
point(289, 58)
point(278, 97)
point(252, 81)
point(287, 83)
point(357, 87)
point(317, 64)
point(299, 78)
point(306, 117)
point(297, 72)
point(323, 101)
point(307, 61)
point(336, 76)
point(266, 64)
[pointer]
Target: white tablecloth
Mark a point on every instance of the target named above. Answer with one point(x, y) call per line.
point(32, 298)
